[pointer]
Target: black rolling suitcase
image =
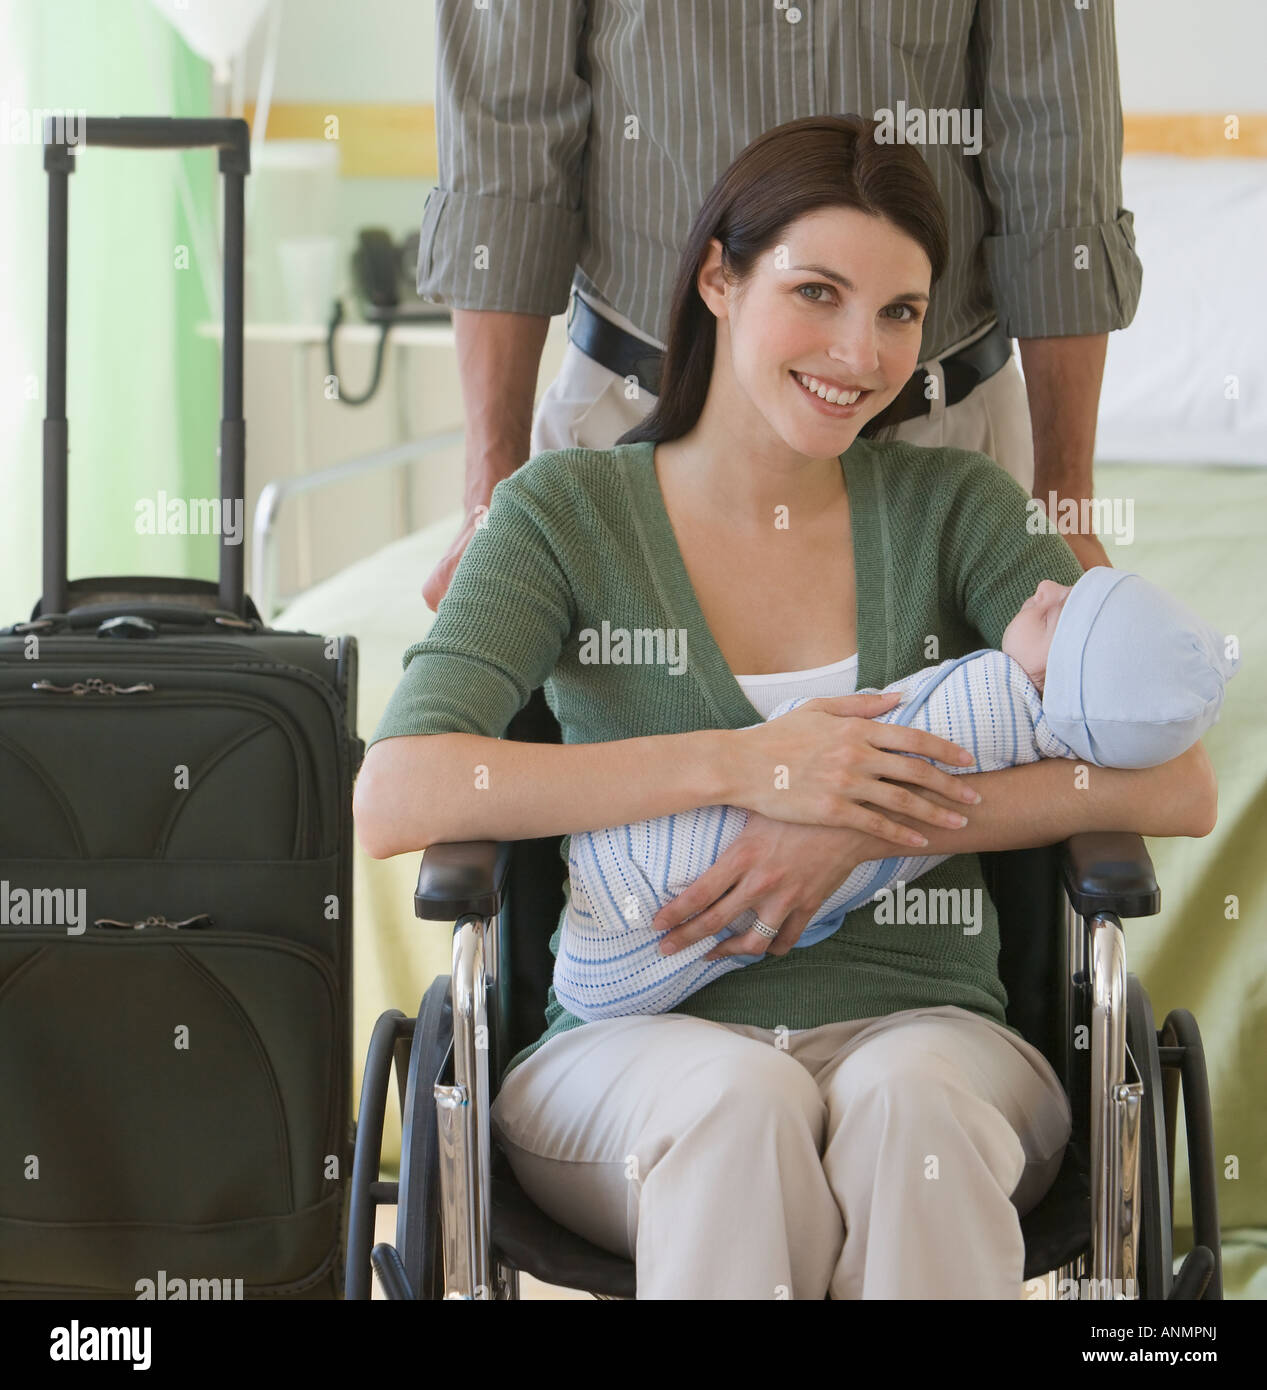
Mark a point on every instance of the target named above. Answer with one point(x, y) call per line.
point(175, 895)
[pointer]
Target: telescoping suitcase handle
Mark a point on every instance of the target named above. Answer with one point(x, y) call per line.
point(232, 138)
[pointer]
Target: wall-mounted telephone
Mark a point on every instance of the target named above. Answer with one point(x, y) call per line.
point(384, 277)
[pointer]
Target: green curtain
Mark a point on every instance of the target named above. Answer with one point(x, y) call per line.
point(142, 389)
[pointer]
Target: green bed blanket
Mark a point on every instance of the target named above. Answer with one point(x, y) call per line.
point(1201, 533)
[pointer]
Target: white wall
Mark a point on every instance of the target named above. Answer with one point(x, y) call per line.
point(352, 50)
point(1174, 55)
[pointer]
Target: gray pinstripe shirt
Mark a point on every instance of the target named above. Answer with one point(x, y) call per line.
point(577, 139)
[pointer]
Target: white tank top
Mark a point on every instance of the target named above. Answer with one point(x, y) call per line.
point(766, 692)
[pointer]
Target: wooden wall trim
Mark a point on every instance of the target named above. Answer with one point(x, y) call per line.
point(1198, 135)
point(386, 140)
point(376, 140)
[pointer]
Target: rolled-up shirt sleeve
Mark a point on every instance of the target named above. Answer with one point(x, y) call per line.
point(1061, 254)
point(502, 229)
point(498, 631)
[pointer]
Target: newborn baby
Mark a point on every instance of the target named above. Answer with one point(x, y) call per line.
point(1115, 672)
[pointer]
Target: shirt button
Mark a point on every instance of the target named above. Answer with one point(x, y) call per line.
point(793, 15)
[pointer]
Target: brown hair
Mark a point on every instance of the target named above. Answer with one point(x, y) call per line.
point(796, 168)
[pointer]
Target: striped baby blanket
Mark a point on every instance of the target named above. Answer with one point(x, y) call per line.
point(609, 962)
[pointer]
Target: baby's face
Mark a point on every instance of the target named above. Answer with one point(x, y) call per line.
point(1027, 639)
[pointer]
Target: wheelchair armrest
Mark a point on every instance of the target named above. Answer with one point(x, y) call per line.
point(1109, 871)
point(462, 878)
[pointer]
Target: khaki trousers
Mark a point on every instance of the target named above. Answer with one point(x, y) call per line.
point(878, 1158)
point(586, 406)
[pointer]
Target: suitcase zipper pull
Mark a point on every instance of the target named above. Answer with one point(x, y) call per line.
point(94, 685)
point(156, 921)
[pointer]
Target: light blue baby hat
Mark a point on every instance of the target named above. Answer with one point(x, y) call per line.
point(1134, 678)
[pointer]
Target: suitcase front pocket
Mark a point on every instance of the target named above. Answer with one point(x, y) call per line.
point(172, 774)
point(176, 1080)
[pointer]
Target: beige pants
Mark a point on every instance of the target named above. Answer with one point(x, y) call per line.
point(880, 1158)
point(586, 406)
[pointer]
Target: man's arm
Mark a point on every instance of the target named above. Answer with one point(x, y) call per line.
point(1062, 380)
point(499, 356)
point(1061, 253)
point(501, 231)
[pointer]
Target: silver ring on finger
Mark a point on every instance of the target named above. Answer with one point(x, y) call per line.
point(768, 932)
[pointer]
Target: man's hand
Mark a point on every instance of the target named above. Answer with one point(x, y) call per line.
point(499, 355)
point(441, 577)
point(1088, 550)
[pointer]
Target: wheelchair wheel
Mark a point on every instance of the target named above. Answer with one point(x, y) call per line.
point(418, 1200)
point(1155, 1265)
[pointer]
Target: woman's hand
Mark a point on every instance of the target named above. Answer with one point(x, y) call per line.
point(783, 872)
point(818, 764)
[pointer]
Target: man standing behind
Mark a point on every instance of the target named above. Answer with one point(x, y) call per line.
point(578, 137)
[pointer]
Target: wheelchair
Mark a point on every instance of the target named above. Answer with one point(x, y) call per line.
point(465, 1229)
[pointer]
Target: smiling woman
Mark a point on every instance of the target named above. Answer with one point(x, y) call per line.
point(761, 519)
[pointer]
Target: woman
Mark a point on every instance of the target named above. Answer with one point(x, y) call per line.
point(855, 1117)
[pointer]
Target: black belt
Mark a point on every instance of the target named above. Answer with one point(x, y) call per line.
point(622, 353)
